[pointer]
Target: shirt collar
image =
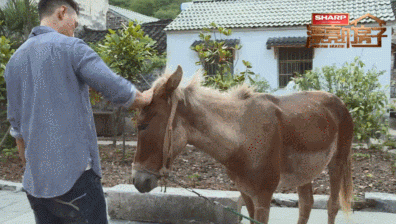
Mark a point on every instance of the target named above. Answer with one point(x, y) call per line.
point(41, 30)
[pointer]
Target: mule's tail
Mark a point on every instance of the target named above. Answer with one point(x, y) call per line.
point(346, 190)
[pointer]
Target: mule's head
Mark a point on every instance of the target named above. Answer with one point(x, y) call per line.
point(152, 124)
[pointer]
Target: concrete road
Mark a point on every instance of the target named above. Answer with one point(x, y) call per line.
point(15, 209)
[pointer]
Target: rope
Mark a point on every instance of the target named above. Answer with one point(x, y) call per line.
point(215, 202)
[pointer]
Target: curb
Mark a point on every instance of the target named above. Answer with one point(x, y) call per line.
point(374, 201)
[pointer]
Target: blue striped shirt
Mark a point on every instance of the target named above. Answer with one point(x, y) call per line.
point(48, 80)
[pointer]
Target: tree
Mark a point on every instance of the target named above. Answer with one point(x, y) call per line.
point(19, 16)
point(161, 9)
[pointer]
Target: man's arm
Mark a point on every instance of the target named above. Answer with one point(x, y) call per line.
point(91, 69)
point(21, 149)
point(14, 99)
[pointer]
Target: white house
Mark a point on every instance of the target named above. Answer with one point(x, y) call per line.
point(273, 35)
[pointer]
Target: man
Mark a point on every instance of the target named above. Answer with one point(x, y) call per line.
point(48, 79)
point(292, 86)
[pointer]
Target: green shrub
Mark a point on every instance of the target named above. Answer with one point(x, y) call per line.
point(361, 92)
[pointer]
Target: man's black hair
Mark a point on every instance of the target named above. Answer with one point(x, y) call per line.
point(48, 7)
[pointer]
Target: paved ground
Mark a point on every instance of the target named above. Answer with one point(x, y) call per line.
point(15, 209)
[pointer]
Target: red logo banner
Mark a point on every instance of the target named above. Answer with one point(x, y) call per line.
point(330, 18)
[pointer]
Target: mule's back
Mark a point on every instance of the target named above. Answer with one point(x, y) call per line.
point(310, 128)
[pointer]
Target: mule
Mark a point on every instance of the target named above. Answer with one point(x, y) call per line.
point(264, 141)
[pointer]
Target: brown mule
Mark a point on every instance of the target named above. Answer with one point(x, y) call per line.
point(265, 142)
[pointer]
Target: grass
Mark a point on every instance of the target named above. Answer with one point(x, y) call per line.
point(361, 155)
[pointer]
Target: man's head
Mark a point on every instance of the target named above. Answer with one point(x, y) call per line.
point(61, 15)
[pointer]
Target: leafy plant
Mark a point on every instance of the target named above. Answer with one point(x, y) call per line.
point(130, 53)
point(195, 178)
point(361, 92)
point(215, 54)
point(10, 152)
point(5, 54)
point(20, 17)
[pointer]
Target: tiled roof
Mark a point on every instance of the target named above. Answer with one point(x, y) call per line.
point(155, 30)
point(227, 42)
point(273, 13)
point(290, 41)
point(131, 15)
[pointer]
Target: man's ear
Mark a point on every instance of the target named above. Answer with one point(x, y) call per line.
point(61, 12)
point(174, 80)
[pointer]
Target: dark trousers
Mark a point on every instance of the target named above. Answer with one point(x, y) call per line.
point(84, 203)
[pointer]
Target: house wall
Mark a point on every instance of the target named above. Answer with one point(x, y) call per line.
point(93, 13)
point(264, 62)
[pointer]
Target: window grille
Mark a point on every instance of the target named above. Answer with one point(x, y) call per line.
point(291, 60)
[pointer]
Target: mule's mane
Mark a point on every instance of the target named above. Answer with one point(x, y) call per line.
point(194, 89)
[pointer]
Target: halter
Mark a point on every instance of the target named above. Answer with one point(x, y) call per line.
point(167, 148)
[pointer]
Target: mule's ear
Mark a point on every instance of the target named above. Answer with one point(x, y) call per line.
point(174, 80)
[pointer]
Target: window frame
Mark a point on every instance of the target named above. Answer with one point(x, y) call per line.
point(285, 77)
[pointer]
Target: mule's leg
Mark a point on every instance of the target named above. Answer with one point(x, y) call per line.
point(335, 173)
point(249, 205)
point(305, 202)
point(262, 204)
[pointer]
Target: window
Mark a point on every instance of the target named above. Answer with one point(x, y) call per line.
point(291, 60)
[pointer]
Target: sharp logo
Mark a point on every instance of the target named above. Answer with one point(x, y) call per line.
point(330, 17)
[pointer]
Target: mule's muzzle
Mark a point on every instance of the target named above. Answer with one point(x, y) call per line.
point(144, 181)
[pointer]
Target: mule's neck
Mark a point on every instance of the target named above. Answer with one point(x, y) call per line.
point(212, 123)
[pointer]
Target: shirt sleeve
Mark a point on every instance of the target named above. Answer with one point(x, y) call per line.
point(92, 70)
point(14, 98)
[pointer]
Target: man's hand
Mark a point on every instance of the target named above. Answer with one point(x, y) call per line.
point(21, 150)
point(142, 99)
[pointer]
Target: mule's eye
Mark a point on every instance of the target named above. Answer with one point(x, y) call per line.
point(141, 127)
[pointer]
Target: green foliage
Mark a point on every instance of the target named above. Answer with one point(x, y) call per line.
point(261, 85)
point(391, 143)
point(5, 55)
point(19, 18)
point(161, 9)
point(214, 53)
point(10, 152)
point(359, 156)
point(9, 142)
point(129, 52)
point(361, 92)
point(195, 178)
